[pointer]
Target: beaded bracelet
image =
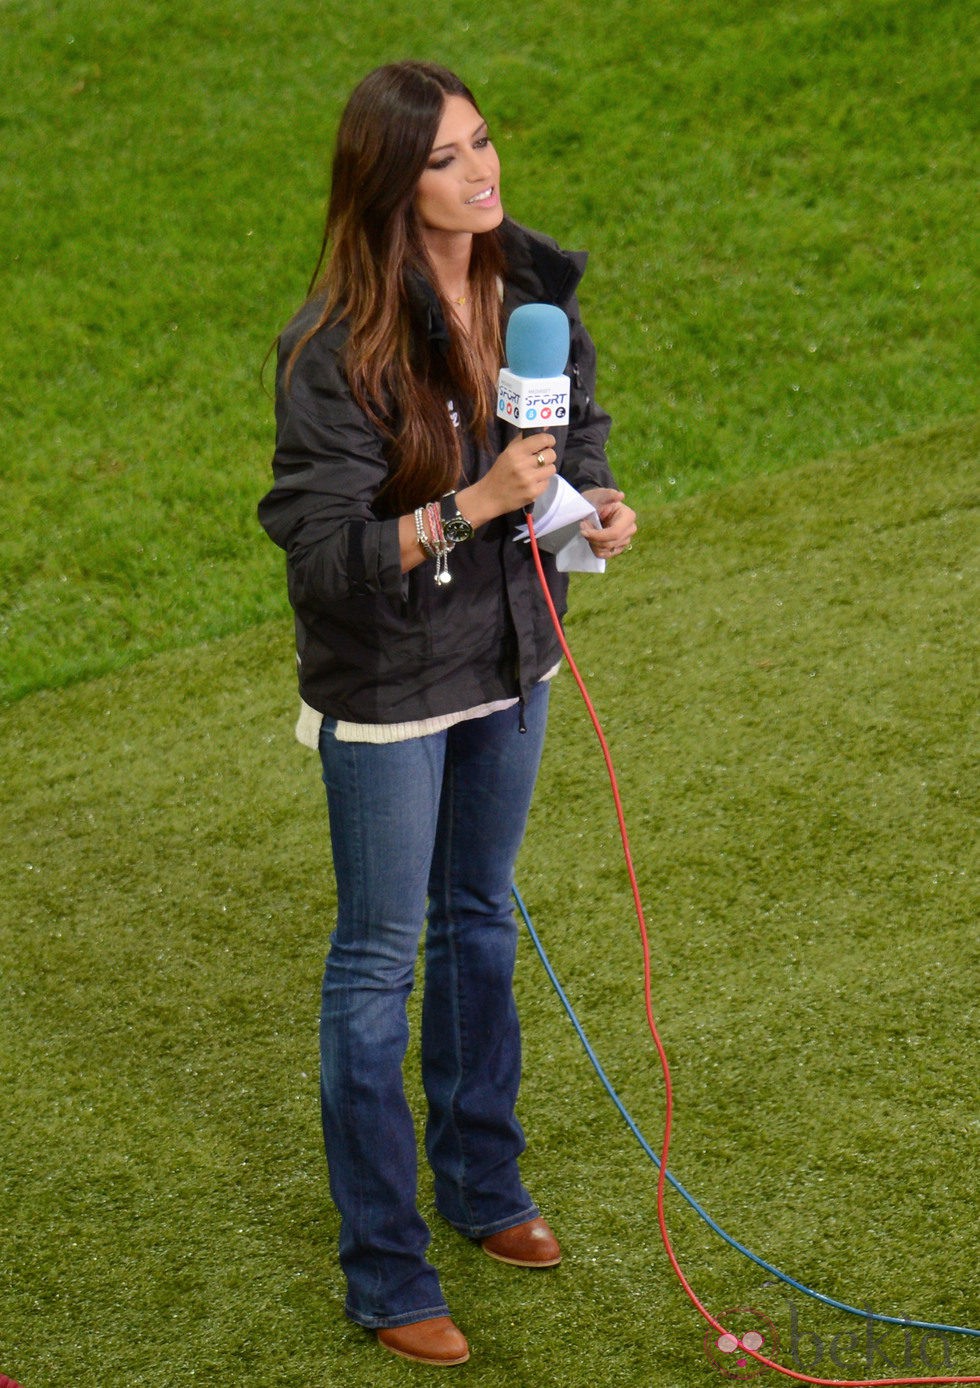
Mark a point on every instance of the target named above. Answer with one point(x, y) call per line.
point(423, 538)
point(428, 531)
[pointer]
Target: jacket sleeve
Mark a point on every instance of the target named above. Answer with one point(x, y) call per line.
point(328, 467)
point(584, 462)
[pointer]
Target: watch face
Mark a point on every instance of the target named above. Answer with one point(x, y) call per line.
point(457, 528)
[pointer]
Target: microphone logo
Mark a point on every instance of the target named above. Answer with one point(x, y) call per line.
point(529, 403)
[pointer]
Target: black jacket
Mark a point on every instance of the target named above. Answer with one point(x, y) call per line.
point(376, 645)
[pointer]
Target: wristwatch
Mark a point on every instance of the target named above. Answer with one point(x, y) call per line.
point(455, 527)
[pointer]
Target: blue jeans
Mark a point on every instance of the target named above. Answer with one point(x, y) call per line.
point(428, 828)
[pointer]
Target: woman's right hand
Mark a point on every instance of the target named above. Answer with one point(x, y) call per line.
point(517, 478)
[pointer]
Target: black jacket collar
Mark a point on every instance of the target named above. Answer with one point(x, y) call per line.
point(538, 271)
point(537, 265)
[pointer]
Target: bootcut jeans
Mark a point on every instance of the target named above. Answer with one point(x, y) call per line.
point(423, 832)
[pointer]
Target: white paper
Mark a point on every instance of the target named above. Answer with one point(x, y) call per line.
point(557, 514)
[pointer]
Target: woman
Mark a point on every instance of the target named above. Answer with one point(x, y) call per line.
point(427, 699)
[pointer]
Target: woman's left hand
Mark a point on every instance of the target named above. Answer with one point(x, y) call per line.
point(617, 523)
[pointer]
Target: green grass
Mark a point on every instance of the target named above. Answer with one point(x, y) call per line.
point(785, 668)
point(779, 200)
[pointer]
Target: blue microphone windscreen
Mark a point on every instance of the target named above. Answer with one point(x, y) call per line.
point(537, 341)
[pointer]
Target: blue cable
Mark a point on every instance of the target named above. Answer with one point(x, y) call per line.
point(702, 1214)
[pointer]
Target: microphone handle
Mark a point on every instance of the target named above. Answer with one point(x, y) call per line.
point(526, 434)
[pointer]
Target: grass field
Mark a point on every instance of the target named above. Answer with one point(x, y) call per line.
point(779, 199)
point(780, 202)
point(785, 672)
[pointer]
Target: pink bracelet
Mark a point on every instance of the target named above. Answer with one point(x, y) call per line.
point(439, 543)
point(429, 533)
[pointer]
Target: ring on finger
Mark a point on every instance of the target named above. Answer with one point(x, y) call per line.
point(540, 460)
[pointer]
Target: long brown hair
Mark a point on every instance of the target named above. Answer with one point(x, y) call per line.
point(398, 377)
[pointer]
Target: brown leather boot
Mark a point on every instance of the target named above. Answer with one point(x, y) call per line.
point(433, 1341)
point(530, 1245)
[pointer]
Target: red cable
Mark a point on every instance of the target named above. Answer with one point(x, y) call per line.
point(661, 1052)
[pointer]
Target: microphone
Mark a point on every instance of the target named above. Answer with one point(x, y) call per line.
point(532, 392)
